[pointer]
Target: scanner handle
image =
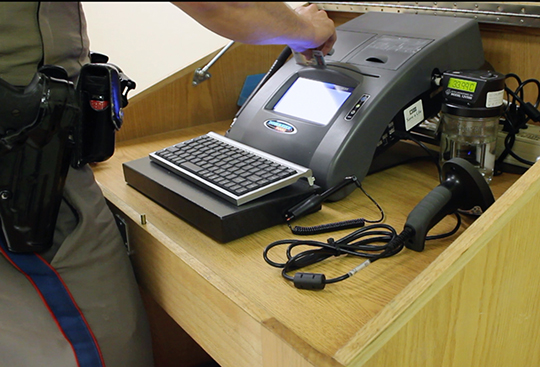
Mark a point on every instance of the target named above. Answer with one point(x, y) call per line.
point(426, 214)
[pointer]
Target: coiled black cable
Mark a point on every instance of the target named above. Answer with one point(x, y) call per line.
point(515, 117)
point(337, 226)
point(328, 227)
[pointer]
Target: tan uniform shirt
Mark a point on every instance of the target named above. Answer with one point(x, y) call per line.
point(46, 33)
point(88, 251)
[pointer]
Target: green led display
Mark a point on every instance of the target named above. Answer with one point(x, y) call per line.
point(460, 84)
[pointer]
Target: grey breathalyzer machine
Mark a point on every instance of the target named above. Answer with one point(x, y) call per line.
point(379, 80)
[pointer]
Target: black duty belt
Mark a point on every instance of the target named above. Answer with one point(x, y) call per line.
point(44, 128)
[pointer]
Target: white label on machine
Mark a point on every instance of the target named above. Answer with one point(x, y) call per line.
point(413, 115)
point(494, 99)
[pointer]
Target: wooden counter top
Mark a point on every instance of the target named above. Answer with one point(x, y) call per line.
point(241, 310)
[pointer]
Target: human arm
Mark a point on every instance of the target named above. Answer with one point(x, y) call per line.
point(264, 23)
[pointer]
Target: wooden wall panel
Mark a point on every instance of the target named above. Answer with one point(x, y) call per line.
point(175, 103)
point(512, 49)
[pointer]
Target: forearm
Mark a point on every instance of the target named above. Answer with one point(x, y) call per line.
point(255, 22)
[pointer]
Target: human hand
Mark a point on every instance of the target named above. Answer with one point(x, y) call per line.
point(323, 36)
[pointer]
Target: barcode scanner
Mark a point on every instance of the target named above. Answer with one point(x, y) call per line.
point(462, 187)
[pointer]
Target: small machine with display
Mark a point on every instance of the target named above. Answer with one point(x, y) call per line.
point(381, 79)
point(470, 115)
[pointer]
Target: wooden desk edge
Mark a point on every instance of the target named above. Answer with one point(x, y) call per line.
point(428, 283)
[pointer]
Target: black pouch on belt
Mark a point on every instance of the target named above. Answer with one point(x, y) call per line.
point(102, 89)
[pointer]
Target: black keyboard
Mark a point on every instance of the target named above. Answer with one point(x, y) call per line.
point(230, 169)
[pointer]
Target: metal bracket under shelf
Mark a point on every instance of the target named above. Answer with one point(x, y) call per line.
point(525, 14)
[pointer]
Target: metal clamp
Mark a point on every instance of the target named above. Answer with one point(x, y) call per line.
point(201, 74)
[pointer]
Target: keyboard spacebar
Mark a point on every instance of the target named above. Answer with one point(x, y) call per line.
point(190, 166)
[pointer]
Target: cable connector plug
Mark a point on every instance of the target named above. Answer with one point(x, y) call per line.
point(307, 206)
point(314, 202)
point(531, 111)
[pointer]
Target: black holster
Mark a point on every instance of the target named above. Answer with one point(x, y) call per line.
point(35, 152)
point(44, 128)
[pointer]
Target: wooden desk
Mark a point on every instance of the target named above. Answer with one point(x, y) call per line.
point(470, 300)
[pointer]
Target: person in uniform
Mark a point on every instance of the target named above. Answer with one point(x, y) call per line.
point(87, 250)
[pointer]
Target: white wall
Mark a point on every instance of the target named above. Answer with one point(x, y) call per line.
point(149, 41)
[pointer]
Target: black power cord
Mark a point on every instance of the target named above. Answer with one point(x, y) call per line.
point(359, 243)
point(345, 246)
point(515, 117)
point(405, 135)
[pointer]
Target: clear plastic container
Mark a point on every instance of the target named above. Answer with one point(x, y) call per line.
point(470, 138)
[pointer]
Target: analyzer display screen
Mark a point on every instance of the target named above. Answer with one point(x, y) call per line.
point(462, 84)
point(313, 100)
